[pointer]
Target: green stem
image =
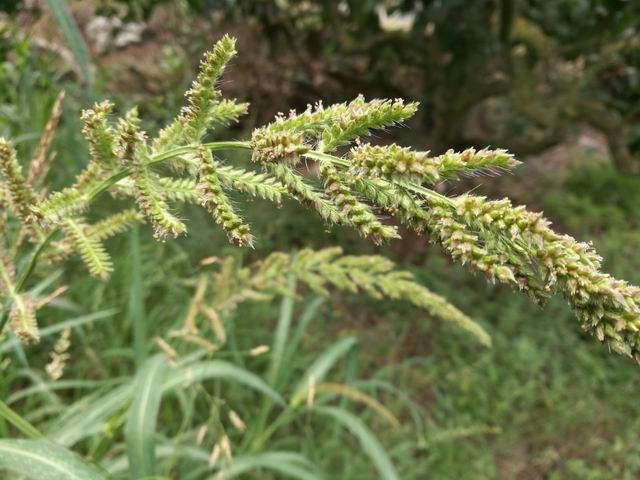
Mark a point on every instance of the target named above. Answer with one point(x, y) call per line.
point(136, 311)
point(22, 280)
point(20, 423)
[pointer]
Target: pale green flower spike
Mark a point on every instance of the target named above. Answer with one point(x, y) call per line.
point(319, 158)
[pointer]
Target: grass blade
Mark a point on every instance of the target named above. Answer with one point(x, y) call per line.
point(136, 300)
point(289, 465)
point(198, 372)
point(282, 332)
point(89, 416)
point(319, 369)
point(67, 24)
point(42, 460)
point(310, 312)
point(369, 443)
point(141, 422)
point(17, 421)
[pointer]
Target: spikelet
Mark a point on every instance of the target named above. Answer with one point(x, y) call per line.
point(463, 244)
point(391, 162)
point(204, 110)
point(101, 137)
point(130, 140)
point(201, 111)
point(169, 136)
point(437, 306)
point(102, 230)
point(59, 356)
point(39, 167)
point(225, 112)
point(91, 250)
point(396, 163)
point(7, 273)
point(19, 192)
point(359, 214)
point(310, 122)
point(359, 117)
point(255, 184)
point(608, 308)
point(152, 204)
point(321, 269)
point(218, 204)
point(113, 225)
point(306, 195)
point(99, 133)
point(287, 139)
point(377, 277)
point(452, 165)
point(178, 189)
point(60, 205)
point(22, 319)
point(275, 146)
point(132, 150)
point(4, 206)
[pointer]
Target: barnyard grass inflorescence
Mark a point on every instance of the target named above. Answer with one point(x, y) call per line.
point(320, 158)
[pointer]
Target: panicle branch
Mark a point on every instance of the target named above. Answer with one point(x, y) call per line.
point(506, 243)
point(16, 187)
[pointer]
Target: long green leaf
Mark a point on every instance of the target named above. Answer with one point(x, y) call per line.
point(197, 372)
point(306, 318)
point(288, 465)
point(368, 441)
point(42, 460)
point(282, 332)
point(136, 312)
point(141, 422)
point(71, 33)
point(319, 369)
point(88, 416)
point(17, 421)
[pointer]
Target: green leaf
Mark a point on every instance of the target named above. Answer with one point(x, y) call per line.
point(67, 24)
point(295, 338)
point(141, 422)
point(136, 311)
point(282, 332)
point(198, 372)
point(369, 443)
point(323, 364)
point(289, 465)
point(43, 460)
point(17, 421)
point(89, 415)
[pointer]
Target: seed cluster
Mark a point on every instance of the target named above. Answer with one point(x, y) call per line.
point(397, 163)
point(506, 243)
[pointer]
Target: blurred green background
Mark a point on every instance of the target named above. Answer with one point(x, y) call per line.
point(555, 82)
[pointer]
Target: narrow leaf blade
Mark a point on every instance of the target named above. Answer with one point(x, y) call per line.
point(141, 422)
point(43, 460)
point(369, 443)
